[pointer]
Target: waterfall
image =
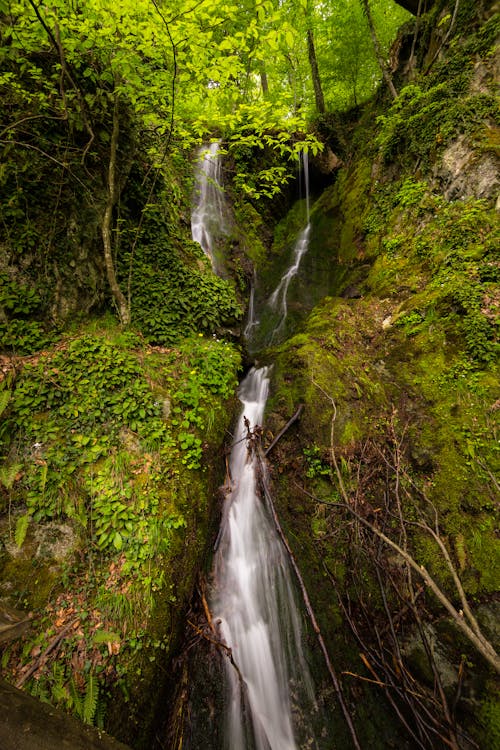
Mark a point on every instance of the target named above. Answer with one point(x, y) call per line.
point(209, 217)
point(252, 321)
point(254, 602)
point(278, 299)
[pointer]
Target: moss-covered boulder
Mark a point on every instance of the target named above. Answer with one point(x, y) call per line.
point(110, 469)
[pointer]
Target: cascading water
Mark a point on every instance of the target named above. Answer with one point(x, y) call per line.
point(254, 603)
point(278, 299)
point(268, 682)
point(252, 321)
point(209, 217)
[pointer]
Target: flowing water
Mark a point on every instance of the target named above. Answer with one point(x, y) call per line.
point(268, 684)
point(210, 216)
point(252, 320)
point(254, 603)
point(278, 299)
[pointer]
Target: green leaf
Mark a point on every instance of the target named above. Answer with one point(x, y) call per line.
point(8, 474)
point(91, 696)
point(106, 636)
point(4, 400)
point(117, 540)
point(21, 529)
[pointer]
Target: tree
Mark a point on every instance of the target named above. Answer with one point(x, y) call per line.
point(378, 51)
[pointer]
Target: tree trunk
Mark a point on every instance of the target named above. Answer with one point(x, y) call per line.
point(378, 51)
point(313, 62)
point(264, 83)
point(107, 223)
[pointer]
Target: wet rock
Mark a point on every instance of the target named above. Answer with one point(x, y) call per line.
point(326, 162)
point(31, 725)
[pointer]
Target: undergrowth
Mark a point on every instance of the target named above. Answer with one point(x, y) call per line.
point(100, 438)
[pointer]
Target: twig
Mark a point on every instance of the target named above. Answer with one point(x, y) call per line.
point(482, 645)
point(309, 609)
point(54, 643)
point(447, 36)
point(220, 644)
point(280, 434)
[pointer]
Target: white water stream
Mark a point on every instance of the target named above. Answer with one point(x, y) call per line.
point(253, 600)
point(209, 217)
point(278, 299)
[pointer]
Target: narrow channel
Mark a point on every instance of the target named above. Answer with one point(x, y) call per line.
point(268, 686)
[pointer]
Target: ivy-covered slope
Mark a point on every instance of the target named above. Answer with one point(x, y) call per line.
point(399, 379)
point(106, 508)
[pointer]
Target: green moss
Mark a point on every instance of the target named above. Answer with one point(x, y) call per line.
point(116, 440)
point(489, 719)
point(250, 224)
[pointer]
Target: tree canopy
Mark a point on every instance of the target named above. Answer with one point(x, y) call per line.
point(188, 67)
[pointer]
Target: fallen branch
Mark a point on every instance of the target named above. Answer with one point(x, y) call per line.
point(220, 644)
point(482, 645)
point(377, 682)
point(54, 643)
point(280, 434)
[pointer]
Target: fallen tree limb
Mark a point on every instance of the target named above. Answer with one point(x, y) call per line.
point(481, 644)
point(280, 434)
point(220, 644)
point(40, 661)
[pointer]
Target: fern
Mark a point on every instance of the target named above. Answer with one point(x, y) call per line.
point(75, 699)
point(59, 694)
point(90, 701)
point(21, 529)
point(4, 400)
point(43, 477)
point(38, 689)
point(100, 714)
point(59, 691)
point(5, 657)
point(8, 473)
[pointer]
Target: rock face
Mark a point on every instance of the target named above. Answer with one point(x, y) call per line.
point(464, 172)
point(31, 725)
point(326, 161)
point(398, 372)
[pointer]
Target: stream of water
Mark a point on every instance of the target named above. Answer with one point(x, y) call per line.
point(209, 216)
point(268, 686)
point(254, 602)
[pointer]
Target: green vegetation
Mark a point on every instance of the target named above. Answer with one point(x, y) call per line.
point(119, 345)
point(101, 436)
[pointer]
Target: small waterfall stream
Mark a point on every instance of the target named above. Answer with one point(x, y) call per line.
point(278, 299)
point(268, 693)
point(268, 685)
point(209, 217)
point(254, 602)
